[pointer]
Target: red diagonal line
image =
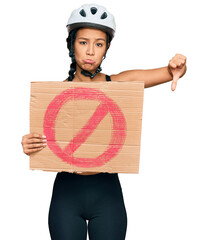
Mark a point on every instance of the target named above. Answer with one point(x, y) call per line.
point(87, 130)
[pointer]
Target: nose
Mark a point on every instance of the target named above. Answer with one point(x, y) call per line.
point(90, 50)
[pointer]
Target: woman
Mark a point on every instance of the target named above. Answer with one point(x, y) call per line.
point(96, 197)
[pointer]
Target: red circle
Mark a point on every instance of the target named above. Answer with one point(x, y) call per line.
point(106, 105)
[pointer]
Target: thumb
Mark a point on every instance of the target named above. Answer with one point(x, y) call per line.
point(174, 82)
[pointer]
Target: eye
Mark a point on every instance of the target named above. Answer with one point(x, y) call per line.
point(99, 44)
point(83, 43)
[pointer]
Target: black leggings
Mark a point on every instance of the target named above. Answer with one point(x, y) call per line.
point(97, 198)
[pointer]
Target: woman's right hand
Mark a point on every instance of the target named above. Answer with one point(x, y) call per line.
point(33, 142)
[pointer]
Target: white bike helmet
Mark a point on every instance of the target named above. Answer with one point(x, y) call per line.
point(92, 15)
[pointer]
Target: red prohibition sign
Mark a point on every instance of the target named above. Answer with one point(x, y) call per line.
point(106, 106)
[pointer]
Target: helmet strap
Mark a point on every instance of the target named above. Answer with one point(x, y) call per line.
point(89, 74)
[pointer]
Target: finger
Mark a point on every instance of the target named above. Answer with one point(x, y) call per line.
point(36, 140)
point(180, 56)
point(180, 63)
point(174, 82)
point(29, 151)
point(172, 64)
point(35, 145)
point(31, 138)
point(36, 135)
point(177, 63)
point(173, 86)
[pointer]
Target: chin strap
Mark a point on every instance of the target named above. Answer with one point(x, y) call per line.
point(89, 74)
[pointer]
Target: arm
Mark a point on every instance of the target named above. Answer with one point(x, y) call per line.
point(153, 77)
point(150, 77)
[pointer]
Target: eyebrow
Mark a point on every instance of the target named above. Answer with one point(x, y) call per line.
point(97, 39)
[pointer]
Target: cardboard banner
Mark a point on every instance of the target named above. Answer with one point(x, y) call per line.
point(89, 127)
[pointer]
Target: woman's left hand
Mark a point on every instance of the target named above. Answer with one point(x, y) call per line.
point(177, 67)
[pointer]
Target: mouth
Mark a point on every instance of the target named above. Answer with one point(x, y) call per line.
point(89, 61)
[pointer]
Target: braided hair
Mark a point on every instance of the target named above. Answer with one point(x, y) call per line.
point(70, 45)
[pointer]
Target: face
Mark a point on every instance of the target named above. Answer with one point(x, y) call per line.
point(89, 48)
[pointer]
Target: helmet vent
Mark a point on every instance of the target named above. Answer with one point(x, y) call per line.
point(104, 15)
point(83, 13)
point(93, 10)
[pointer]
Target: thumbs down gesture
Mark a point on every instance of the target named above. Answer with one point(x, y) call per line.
point(177, 68)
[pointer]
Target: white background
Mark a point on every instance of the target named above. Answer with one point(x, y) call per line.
point(168, 199)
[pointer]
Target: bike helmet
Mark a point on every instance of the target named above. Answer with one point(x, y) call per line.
point(92, 15)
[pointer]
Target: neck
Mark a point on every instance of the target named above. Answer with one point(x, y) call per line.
point(79, 77)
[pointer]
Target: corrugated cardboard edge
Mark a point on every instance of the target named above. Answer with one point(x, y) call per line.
point(107, 170)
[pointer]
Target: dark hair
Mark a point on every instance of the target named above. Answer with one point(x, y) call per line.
point(70, 45)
